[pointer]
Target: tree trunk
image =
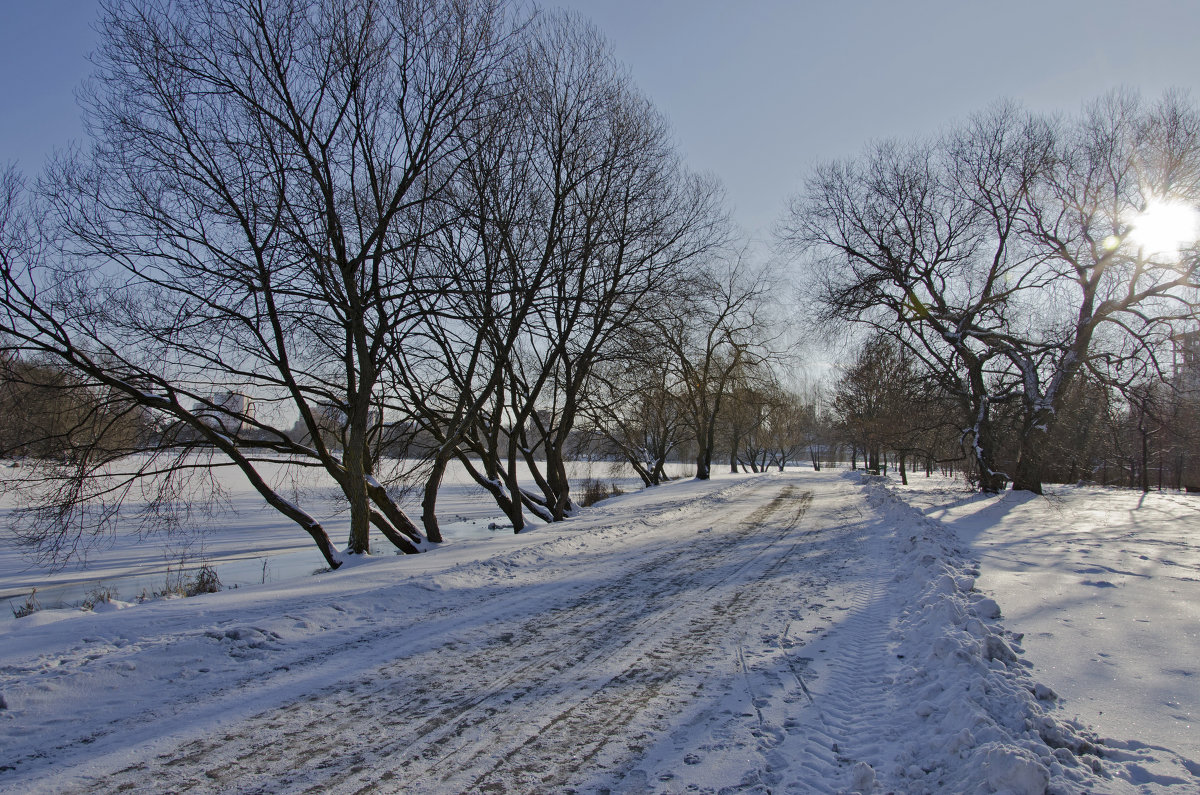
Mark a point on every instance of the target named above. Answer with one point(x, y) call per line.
point(990, 481)
point(389, 532)
point(704, 444)
point(1145, 473)
point(292, 511)
point(556, 468)
point(494, 481)
point(1028, 474)
point(354, 461)
point(516, 513)
point(647, 475)
point(398, 522)
point(429, 500)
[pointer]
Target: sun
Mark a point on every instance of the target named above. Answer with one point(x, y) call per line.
point(1165, 227)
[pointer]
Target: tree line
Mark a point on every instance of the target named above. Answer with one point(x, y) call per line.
point(451, 231)
point(1013, 271)
point(884, 408)
point(381, 238)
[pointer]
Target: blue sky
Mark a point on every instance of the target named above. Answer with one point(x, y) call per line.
point(757, 90)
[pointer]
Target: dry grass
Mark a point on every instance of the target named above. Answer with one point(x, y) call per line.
point(592, 491)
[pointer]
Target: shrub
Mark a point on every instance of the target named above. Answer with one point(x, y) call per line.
point(205, 580)
point(98, 595)
point(182, 583)
point(593, 491)
point(32, 605)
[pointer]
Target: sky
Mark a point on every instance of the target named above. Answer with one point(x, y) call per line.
point(758, 91)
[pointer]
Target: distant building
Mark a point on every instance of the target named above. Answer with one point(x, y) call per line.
point(227, 412)
point(1186, 364)
point(334, 424)
point(332, 417)
point(1185, 421)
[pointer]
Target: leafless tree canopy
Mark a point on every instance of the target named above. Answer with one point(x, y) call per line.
point(319, 231)
point(251, 218)
point(1005, 255)
point(376, 238)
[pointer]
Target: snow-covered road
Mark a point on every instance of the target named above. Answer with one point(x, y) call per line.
point(796, 632)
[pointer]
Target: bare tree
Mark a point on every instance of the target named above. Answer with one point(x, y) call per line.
point(630, 409)
point(884, 402)
point(577, 213)
point(885, 228)
point(715, 325)
point(251, 218)
point(1004, 255)
point(794, 428)
point(1114, 297)
point(754, 402)
point(637, 220)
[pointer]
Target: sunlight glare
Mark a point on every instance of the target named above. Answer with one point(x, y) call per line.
point(1164, 227)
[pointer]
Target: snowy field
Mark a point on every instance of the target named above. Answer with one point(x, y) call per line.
point(1105, 585)
point(247, 542)
point(790, 632)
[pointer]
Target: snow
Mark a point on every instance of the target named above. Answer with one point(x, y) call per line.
point(787, 632)
point(1105, 585)
point(247, 541)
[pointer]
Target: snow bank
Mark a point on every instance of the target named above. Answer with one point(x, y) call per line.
point(976, 711)
point(1102, 582)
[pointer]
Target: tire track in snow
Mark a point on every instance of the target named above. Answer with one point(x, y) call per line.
point(805, 703)
point(837, 697)
point(662, 681)
point(604, 666)
point(854, 699)
point(238, 693)
point(588, 712)
point(595, 614)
